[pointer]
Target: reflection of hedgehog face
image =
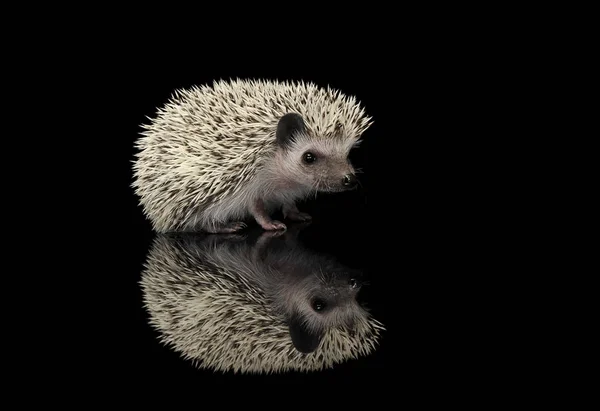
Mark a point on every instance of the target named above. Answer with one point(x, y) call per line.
point(329, 302)
point(320, 301)
point(267, 307)
point(312, 292)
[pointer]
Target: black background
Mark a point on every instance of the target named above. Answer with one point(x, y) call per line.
point(417, 225)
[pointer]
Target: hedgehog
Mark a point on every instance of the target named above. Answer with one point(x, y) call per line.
point(227, 303)
point(216, 158)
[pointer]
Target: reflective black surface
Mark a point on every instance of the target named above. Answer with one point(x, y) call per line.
point(258, 302)
point(233, 306)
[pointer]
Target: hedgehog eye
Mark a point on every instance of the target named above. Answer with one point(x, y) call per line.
point(309, 158)
point(318, 305)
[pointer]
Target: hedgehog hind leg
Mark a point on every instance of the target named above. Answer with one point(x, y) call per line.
point(227, 228)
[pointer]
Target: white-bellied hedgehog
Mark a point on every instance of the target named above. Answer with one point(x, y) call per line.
point(214, 157)
point(228, 304)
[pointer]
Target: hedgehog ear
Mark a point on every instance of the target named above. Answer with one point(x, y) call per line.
point(304, 340)
point(289, 124)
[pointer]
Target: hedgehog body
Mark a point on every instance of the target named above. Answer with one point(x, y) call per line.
point(213, 157)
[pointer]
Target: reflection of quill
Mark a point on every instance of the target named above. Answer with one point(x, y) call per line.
point(269, 306)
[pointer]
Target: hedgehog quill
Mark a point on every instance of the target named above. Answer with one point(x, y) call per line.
point(216, 157)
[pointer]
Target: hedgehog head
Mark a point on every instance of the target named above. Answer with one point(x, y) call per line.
point(318, 162)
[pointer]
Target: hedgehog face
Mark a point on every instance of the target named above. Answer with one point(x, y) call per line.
point(317, 163)
point(325, 166)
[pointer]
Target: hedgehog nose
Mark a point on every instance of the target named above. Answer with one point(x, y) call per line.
point(349, 180)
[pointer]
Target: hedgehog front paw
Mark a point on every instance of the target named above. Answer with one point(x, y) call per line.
point(299, 217)
point(273, 225)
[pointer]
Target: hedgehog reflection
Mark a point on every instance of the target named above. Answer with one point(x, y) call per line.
point(229, 303)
